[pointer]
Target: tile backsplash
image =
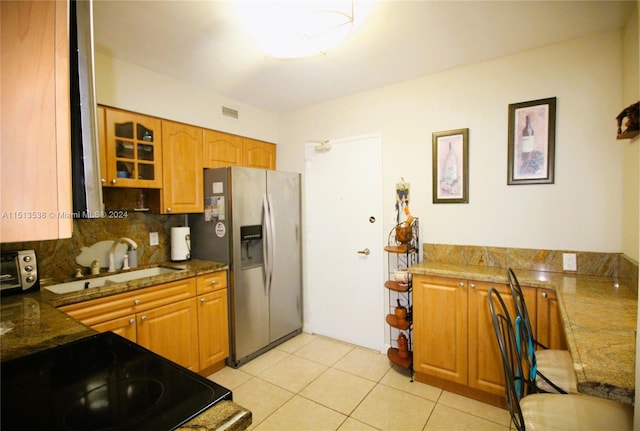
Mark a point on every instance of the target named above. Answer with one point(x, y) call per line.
point(57, 258)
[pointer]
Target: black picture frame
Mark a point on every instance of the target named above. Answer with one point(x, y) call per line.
point(531, 142)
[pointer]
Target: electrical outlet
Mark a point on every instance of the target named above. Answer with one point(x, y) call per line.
point(153, 238)
point(569, 262)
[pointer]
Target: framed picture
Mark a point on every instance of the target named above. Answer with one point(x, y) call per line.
point(451, 166)
point(531, 148)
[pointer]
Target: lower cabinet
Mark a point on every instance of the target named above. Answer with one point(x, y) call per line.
point(124, 326)
point(172, 332)
point(213, 321)
point(548, 320)
point(454, 342)
point(171, 319)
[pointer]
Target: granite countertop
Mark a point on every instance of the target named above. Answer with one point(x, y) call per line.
point(190, 268)
point(31, 323)
point(599, 317)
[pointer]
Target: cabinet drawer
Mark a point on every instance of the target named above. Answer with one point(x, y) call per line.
point(115, 306)
point(212, 282)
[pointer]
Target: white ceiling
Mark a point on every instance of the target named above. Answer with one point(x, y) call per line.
point(201, 43)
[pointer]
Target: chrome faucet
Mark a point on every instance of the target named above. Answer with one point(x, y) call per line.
point(112, 258)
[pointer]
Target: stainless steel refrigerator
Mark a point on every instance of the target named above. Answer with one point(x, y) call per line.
point(252, 222)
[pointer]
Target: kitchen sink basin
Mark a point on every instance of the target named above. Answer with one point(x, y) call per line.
point(123, 277)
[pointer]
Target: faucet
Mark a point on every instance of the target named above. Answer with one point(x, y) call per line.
point(112, 259)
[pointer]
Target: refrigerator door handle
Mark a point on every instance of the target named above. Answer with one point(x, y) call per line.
point(272, 240)
point(265, 245)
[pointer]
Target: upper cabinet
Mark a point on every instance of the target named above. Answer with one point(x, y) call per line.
point(182, 168)
point(167, 158)
point(224, 149)
point(35, 170)
point(221, 149)
point(133, 150)
point(258, 154)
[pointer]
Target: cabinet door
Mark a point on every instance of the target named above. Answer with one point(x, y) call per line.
point(172, 332)
point(182, 168)
point(485, 363)
point(35, 169)
point(549, 321)
point(221, 149)
point(213, 328)
point(134, 150)
point(102, 143)
point(440, 327)
point(258, 154)
point(123, 326)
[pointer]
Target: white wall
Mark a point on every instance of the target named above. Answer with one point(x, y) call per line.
point(133, 88)
point(581, 211)
point(631, 167)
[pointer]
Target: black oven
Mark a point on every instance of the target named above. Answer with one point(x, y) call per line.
point(102, 382)
point(18, 272)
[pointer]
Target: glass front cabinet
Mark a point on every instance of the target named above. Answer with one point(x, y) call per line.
point(133, 150)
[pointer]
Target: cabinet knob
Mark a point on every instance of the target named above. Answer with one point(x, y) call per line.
point(545, 295)
point(103, 181)
point(132, 321)
point(202, 300)
point(472, 285)
point(169, 209)
point(461, 284)
point(113, 181)
point(143, 318)
point(214, 281)
point(137, 302)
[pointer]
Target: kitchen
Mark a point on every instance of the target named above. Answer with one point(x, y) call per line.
point(592, 77)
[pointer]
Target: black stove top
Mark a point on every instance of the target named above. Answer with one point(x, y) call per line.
point(102, 382)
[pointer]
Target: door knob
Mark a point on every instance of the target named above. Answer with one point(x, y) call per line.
point(366, 251)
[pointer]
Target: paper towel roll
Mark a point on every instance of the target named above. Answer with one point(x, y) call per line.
point(180, 243)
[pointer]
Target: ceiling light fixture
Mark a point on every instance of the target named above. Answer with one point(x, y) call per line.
point(296, 29)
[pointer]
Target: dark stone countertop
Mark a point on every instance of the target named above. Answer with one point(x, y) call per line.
point(599, 317)
point(31, 323)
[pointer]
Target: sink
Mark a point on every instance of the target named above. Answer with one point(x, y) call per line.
point(74, 286)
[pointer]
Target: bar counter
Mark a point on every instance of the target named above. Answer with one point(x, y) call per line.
point(599, 320)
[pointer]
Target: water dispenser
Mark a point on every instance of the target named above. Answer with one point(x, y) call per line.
point(251, 250)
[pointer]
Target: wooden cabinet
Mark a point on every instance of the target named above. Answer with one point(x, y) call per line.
point(124, 326)
point(485, 372)
point(185, 321)
point(548, 320)
point(221, 149)
point(455, 344)
point(213, 318)
point(440, 328)
point(172, 332)
point(133, 150)
point(155, 315)
point(35, 169)
point(102, 142)
point(258, 154)
point(182, 190)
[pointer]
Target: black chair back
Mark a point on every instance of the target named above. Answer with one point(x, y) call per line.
point(525, 338)
point(516, 384)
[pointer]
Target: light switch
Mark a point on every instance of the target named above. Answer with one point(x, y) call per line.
point(153, 238)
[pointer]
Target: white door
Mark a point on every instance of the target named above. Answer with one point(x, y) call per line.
point(344, 241)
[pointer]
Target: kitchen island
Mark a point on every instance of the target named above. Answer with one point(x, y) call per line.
point(599, 321)
point(31, 323)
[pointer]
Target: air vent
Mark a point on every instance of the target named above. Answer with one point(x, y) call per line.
point(228, 112)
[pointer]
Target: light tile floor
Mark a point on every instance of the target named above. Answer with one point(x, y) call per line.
point(315, 383)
